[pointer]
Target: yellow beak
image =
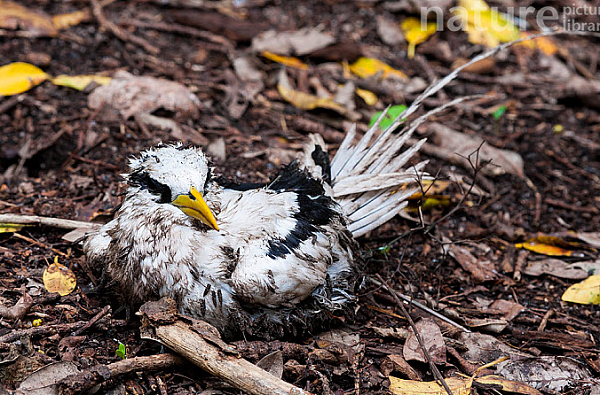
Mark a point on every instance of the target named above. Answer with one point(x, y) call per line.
point(194, 205)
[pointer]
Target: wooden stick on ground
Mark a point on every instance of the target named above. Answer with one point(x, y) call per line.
point(46, 221)
point(202, 345)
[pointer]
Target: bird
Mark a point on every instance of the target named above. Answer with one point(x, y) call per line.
point(263, 260)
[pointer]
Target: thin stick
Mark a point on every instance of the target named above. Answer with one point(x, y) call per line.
point(434, 368)
point(422, 307)
point(46, 221)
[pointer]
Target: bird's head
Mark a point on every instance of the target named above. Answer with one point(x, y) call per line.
point(176, 175)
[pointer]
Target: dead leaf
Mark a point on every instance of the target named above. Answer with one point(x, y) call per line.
point(19, 77)
point(299, 42)
point(552, 246)
point(416, 34)
point(458, 146)
point(302, 100)
point(508, 385)
point(458, 386)
point(369, 97)
point(369, 67)
point(272, 363)
point(64, 21)
point(585, 292)
point(130, 95)
point(510, 309)
point(561, 269)
point(79, 82)
point(550, 374)
point(44, 381)
point(484, 25)
point(10, 228)
point(14, 16)
point(289, 61)
point(432, 338)
point(489, 325)
point(481, 269)
point(389, 31)
point(59, 278)
point(544, 44)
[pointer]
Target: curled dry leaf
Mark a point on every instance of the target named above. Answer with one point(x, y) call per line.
point(131, 95)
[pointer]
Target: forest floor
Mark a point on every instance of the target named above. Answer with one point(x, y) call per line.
point(456, 252)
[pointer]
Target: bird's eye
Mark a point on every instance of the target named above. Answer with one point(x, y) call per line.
point(144, 181)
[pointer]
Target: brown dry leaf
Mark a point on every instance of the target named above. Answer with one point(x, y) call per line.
point(44, 381)
point(300, 42)
point(457, 147)
point(302, 100)
point(59, 278)
point(289, 61)
point(481, 269)
point(80, 82)
point(459, 386)
point(369, 67)
point(133, 96)
point(389, 31)
point(431, 335)
point(63, 21)
point(561, 269)
point(14, 16)
point(19, 77)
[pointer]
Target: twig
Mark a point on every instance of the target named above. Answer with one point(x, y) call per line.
point(81, 382)
point(121, 34)
point(45, 330)
point(94, 319)
point(202, 345)
point(39, 244)
point(422, 307)
point(46, 221)
point(434, 368)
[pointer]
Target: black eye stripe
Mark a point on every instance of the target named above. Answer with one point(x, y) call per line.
point(143, 180)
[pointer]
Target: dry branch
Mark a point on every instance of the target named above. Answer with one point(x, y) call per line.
point(46, 221)
point(200, 343)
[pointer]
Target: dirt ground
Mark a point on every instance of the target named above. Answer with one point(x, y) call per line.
point(61, 158)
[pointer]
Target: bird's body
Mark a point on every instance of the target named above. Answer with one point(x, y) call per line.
point(269, 260)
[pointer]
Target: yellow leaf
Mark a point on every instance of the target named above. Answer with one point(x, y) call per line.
point(59, 278)
point(80, 82)
point(302, 100)
point(415, 34)
point(63, 21)
point(369, 97)
point(585, 292)
point(459, 386)
point(508, 385)
point(10, 228)
point(544, 44)
point(369, 67)
point(19, 77)
point(551, 246)
point(289, 61)
point(484, 25)
point(34, 23)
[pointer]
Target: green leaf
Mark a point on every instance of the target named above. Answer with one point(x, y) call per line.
point(499, 112)
point(393, 113)
point(121, 351)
